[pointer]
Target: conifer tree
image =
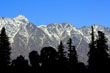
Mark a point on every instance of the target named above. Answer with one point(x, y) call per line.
point(102, 49)
point(72, 52)
point(61, 52)
point(92, 53)
point(98, 55)
point(4, 49)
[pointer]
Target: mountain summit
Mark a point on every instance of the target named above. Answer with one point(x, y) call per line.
point(25, 36)
point(21, 18)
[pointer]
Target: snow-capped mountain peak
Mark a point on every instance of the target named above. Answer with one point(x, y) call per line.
point(21, 18)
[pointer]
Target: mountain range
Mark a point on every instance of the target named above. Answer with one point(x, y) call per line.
point(25, 37)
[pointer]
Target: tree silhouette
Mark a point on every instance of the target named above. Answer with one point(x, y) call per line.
point(92, 53)
point(102, 49)
point(49, 59)
point(34, 60)
point(98, 55)
point(72, 52)
point(48, 54)
point(20, 65)
point(61, 52)
point(4, 50)
point(62, 59)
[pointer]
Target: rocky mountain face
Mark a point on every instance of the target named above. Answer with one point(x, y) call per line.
point(25, 36)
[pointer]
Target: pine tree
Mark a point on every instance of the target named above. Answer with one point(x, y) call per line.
point(102, 49)
point(61, 52)
point(98, 52)
point(72, 52)
point(4, 49)
point(92, 43)
point(92, 53)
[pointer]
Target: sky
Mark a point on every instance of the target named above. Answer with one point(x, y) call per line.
point(43, 12)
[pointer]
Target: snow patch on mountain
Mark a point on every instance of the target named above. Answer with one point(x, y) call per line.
point(21, 18)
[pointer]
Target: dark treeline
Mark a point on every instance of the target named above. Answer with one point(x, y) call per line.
point(51, 60)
